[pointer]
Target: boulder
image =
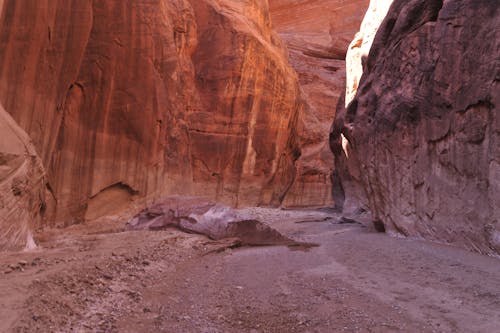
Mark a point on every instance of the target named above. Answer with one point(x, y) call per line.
point(216, 221)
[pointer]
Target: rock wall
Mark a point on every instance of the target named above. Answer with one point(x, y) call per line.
point(359, 48)
point(421, 148)
point(22, 186)
point(349, 193)
point(129, 101)
point(317, 34)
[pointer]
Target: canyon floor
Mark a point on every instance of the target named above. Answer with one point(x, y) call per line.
point(98, 278)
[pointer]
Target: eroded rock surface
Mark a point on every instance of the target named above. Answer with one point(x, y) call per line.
point(317, 34)
point(347, 188)
point(422, 133)
point(213, 220)
point(22, 186)
point(128, 101)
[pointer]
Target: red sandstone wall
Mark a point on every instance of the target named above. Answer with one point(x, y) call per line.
point(127, 101)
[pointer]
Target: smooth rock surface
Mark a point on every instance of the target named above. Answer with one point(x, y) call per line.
point(22, 186)
point(359, 48)
point(317, 34)
point(422, 133)
point(128, 101)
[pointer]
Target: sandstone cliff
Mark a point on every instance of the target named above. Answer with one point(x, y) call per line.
point(421, 147)
point(317, 34)
point(22, 186)
point(129, 101)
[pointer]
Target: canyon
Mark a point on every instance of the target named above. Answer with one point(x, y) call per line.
point(249, 165)
point(317, 45)
point(213, 107)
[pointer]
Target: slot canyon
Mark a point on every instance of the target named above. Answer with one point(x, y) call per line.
point(249, 166)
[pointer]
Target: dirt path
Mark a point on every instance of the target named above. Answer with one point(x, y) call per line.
point(167, 281)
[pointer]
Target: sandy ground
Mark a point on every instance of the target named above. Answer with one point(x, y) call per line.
point(97, 278)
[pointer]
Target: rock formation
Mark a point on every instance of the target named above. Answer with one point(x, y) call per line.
point(129, 101)
point(348, 168)
point(213, 220)
point(359, 48)
point(22, 186)
point(317, 34)
point(421, 136)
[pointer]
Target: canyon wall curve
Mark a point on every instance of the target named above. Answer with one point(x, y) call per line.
point(162, 97)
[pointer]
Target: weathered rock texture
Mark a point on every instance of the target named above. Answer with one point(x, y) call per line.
point(424, 127)
point(22, 186)
point(317, 34)
point(216, 221)
point(348, 168)
point(127, 101)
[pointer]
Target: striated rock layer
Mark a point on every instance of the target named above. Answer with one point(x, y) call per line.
point(22, 186)
point(421, 148)
point(317, 34)
point(129, 101)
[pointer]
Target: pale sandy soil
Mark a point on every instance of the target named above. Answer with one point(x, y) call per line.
point(95, 278)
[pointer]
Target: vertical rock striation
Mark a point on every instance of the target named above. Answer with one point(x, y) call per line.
point(422, 132)
point(129, 101)
point(317, 34)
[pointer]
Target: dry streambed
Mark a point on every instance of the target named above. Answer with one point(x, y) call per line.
point(103, 279)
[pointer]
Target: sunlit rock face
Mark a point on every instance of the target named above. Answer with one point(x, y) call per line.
point(361, 45)
point(421, 148)
point(349, 193)
point(129, 101)
point(22, 186)
point(317, 34)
